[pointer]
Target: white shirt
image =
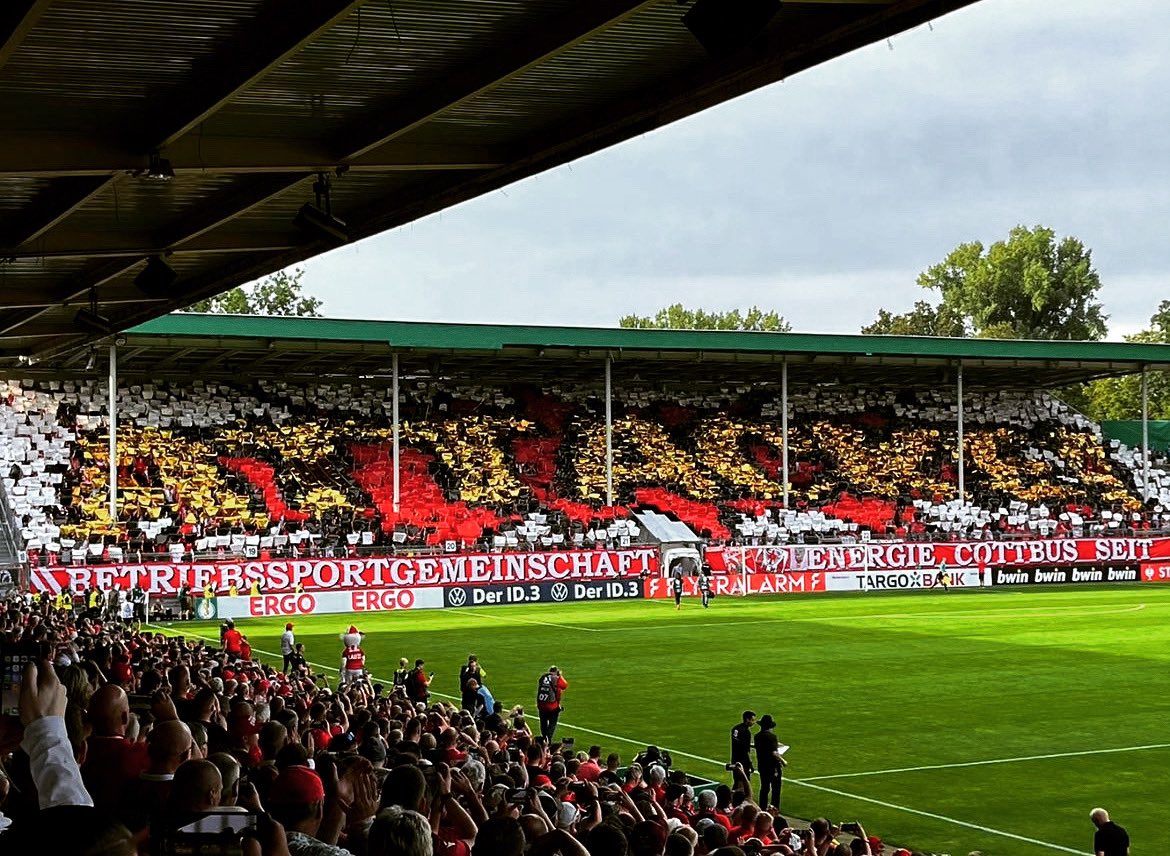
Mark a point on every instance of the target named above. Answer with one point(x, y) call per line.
point(286, 642)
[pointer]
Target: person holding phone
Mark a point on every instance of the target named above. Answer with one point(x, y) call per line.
point(418, 683)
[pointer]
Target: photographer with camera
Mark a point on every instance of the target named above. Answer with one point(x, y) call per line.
point(549, 690)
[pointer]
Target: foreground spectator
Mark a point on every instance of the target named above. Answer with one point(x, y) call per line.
point(188, 729)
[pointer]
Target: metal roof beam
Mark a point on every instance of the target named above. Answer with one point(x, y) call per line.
point(231, 205)
point(560, 32)
point(49, 208)
point(85, 245)
point(248, 194)
point(72, 289)
point(277, 31)
point(17, 18)
point(36, 298)
point(33, 154)
point(167, 362)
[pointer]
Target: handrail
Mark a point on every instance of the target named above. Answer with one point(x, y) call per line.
point(9, 526)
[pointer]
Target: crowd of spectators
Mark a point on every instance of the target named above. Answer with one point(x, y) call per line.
point(130, 742)
point(275, 469)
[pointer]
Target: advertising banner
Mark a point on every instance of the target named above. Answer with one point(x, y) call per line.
point(323, 603)
point(374, 572)
point(898, 556)
point(900, 580)
point(559, 592)
point(1156, 573)
point(735, 585)
point(1063, 576)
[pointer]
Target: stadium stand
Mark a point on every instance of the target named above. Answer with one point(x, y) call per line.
point(130, 735)
point(210, 469)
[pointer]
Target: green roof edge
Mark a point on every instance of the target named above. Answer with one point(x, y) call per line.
point(495, 337)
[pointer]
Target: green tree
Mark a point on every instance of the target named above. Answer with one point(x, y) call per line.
point(277, 294)
point(676, 317)
point(1121, 397)
point(924, 319)
point(1030, 286)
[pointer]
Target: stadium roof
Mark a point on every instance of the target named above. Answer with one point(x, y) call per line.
point(235, 346)
point(195, 131)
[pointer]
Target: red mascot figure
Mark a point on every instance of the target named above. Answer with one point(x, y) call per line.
point(353, 658)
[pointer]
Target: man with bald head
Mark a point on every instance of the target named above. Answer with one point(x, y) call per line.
point(197, 787)
point(229, 771)
point(111, 761)
point(168, 746)
point(1109, 839)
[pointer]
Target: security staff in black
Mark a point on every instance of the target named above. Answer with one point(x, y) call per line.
point(676, 585)
point(741, 742)
point(705, 587)
point(770, 762)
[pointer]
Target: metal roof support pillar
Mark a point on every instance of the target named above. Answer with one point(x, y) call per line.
point(1145, 437)
point(609, 430)
point(394, 423)
point(113, 425)
point(784, 424)
point(959, 395)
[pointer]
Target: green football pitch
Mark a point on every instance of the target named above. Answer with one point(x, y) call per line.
point(991, 720)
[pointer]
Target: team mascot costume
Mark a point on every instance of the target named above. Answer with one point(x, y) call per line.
point(353, 658)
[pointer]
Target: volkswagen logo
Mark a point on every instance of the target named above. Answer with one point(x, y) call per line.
point(559, 592)
point(457, 596)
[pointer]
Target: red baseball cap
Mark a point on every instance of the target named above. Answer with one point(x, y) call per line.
point(288, 626)
point(296, 786)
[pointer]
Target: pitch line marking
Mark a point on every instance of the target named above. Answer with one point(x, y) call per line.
point(942, 817)
point(1027, 611)
point(988, 762)
point(802, 782)
point(528, 621)
point(809, 784)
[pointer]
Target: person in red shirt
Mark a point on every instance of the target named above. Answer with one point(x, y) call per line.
point(674, 803)
point(549, 690)
point(233, 640)
point(590, 770)
point(707, 808)
point(111, 761)
point(747, 824)
point(418, 683)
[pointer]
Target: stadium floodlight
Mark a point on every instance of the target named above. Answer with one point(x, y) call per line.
point(724, 26)
point(157, 278)
point(321, 224)
point(90, 321)
point(160, 169)
point(317, 218)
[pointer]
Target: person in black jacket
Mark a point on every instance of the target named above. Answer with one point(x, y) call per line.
point(470, 672)
point(741, 742)
point(770, 762)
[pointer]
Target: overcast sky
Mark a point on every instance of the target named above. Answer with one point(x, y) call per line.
point(823, 196)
